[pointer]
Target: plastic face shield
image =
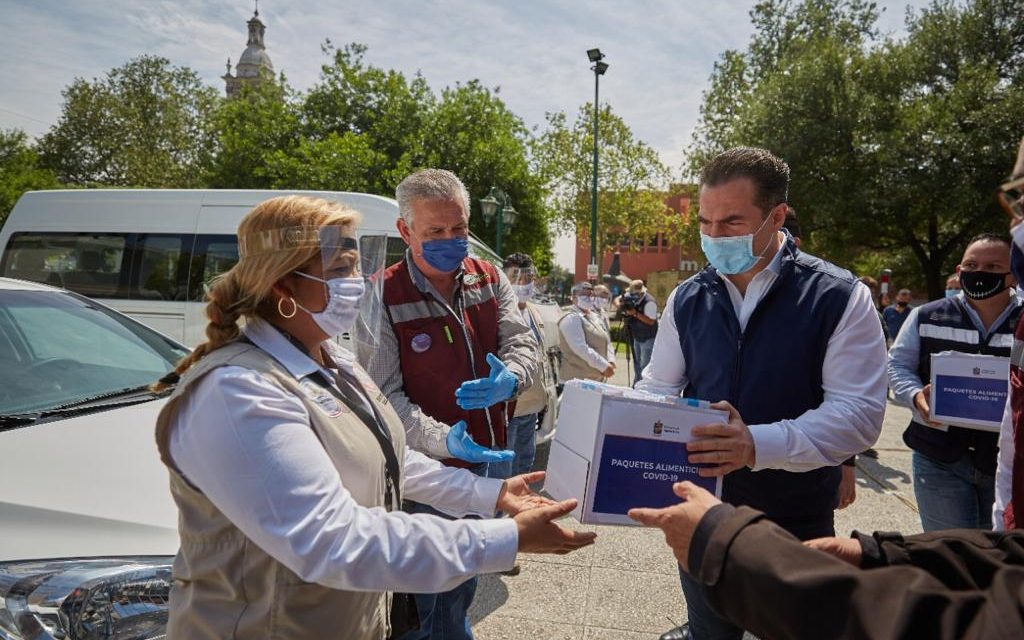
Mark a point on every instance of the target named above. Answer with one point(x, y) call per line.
point(520, 275)
point(1011, 197)
point(342, 255)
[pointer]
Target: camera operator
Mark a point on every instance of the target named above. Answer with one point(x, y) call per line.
point(641, 314)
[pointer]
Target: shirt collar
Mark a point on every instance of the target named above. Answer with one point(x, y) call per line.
point(265, 336)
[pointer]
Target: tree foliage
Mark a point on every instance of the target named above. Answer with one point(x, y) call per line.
point(895, 146)
point(631, 178)
point(146, 124)
point(19, 170)
point(261, 123)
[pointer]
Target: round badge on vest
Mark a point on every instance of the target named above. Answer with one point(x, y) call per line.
point(420, 342)
point(327, 403)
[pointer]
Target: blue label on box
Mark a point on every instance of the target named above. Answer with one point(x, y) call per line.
point(639, 472)
point(971, 398)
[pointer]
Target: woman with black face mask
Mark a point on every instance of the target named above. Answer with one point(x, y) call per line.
point(954, 467)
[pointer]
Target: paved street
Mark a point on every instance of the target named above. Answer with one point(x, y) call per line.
point(625, 586)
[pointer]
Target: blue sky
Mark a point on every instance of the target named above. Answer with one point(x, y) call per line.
point(661, 52)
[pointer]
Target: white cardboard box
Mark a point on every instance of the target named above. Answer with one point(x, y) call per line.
point(969, 390)
point(616, 448)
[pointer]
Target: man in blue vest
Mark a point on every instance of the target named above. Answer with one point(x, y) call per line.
point(954, 467)
point(788, 344)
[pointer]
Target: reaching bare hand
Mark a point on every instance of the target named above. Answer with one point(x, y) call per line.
point(516, 495)
point(678, 522)
point(847, 486)
point(922, 406)
point(539, 534)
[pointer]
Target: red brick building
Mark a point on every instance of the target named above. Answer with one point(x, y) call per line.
point(650, 255)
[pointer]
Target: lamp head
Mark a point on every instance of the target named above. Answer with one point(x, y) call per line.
point(594, 54)
point(600, 68)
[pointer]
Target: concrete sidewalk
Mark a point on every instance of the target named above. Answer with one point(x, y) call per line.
point(626, 587)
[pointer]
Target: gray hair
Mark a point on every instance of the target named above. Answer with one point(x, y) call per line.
point(430, 184)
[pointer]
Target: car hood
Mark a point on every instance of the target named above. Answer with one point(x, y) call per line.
point(91, 485)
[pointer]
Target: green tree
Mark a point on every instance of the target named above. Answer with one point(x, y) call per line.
point(262, 122)
point(354, 97)
point(631, 179)
point(471, 132)
point(19, 170)
point(146, 124)
point(337, 163)
point(895, 145)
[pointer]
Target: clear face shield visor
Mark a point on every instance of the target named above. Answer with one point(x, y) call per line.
point(345, 260)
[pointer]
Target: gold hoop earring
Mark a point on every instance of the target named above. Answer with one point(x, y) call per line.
point(295, 308)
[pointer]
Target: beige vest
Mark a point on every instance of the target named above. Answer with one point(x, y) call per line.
point(227, 587)
point(535, 398)
point(573, 366)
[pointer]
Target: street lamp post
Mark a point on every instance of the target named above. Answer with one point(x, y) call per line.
point(599, 69)
point(498, 204)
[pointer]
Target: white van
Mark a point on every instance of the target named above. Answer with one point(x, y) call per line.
point(149, 252)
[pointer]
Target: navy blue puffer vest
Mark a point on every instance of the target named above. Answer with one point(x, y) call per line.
point(771, 371)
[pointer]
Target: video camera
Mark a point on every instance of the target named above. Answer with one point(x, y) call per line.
point(632, 301)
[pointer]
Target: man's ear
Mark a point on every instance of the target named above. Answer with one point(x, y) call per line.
point(404, 230)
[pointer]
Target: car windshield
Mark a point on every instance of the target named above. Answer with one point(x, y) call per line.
point(58, 349)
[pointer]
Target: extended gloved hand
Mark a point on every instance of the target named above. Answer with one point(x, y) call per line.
point(461, 446)
point(483, 392)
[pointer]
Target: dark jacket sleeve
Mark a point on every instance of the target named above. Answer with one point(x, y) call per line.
point(953, 584)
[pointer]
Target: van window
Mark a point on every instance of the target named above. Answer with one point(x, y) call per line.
point(395, 250)
point(212, 256)
point(90, 264)
point(162, 271)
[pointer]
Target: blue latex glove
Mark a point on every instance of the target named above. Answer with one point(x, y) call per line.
point(461, 446)
point(483, 392)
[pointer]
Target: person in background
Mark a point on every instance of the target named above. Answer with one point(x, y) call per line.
point(1008, 511)
point(288, 466)
point(641, 314)
point(454, 354)
point(954, 467)
point(962, 584)
point(953, 285)
point(587, 351)
point(897, 313)
point(523, 426)
point(792, 226)
point(602, 302)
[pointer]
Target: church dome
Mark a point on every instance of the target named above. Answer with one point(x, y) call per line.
point(253, 59)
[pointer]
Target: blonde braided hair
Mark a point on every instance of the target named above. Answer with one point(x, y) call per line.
point(245, 288)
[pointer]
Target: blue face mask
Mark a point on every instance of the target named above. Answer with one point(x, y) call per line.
point(731, 254)
point(952, 293)
point(446, 255)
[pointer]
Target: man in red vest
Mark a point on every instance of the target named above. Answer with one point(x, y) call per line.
point(452, 356)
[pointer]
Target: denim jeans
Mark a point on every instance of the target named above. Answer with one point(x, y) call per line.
point(952, 495)
point(641, 356)
point(522, 431)
point(444, 616)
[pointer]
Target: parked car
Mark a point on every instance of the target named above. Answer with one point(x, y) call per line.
point(88, 528)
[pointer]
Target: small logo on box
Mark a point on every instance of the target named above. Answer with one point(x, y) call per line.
point(977, 371)
point(659, 426)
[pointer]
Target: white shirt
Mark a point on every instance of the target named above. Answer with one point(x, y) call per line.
point(849, 418)
point(572, 328)
point(248, 446)
point(1004, 467)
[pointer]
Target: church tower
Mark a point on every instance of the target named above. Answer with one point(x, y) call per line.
point(254, 66)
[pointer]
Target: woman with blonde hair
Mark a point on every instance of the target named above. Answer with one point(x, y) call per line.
point(288, 466)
